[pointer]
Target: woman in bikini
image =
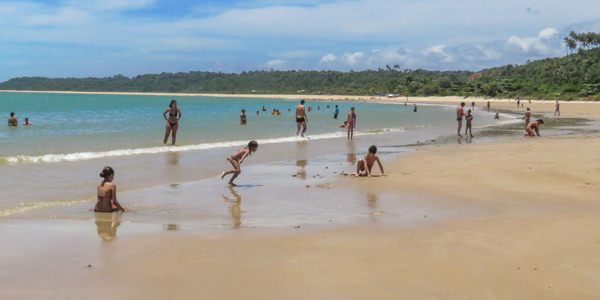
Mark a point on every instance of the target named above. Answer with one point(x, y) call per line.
point(172, 121)
point(237, 159)
point(107, 193)
point(351, 123)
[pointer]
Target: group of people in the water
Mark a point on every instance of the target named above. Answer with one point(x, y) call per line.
point(13, 121)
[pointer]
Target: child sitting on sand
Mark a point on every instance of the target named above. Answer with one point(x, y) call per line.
point(364, 166)
point(237, 159)
point(107, 193)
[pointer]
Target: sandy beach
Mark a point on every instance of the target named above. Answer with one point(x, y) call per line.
point(538, 237)
point(502, 218)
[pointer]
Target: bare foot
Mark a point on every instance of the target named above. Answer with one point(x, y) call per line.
point(222, 175)
point(232, 184)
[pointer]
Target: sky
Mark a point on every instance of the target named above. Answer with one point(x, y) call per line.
point(99, 38)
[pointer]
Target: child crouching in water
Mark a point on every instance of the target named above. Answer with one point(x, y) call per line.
point(237, 159)
point(364, 166)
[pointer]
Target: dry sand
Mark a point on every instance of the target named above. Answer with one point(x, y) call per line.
point(539, 241)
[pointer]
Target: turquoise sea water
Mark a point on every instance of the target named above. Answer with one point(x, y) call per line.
point(79, 126)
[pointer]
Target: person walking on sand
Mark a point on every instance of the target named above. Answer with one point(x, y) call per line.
point(488, 105)
point(243, 117)
point(336, 112)
point(172, 122)
point(469, 118)
point(351, 123)
point(12, 120)
point(459, 116)
point(527, 117)
point(535, 125)
point(237, 159)
point(301, 118)
point(518, 102)
point(107, 193)
point(557, 110)
point(364, 166)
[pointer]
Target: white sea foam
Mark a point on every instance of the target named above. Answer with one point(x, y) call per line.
point(163, 149)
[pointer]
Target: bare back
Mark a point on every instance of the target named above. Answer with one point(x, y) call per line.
point(12, 121)
point(105, 197)
point(300, 111)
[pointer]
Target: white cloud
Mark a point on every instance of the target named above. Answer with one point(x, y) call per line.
point(109, 4)
point(275, 63)
point(547, 33)
point(541, 44)
point(438, 53)
point(328, 58)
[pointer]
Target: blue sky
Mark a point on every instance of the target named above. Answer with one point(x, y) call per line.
point(83, 38)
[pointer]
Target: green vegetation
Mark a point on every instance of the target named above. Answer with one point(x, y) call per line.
point(575, 76)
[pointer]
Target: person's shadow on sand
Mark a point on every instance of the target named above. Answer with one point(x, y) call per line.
point(107, 224)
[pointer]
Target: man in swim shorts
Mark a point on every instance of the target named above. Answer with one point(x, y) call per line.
point(336, 112)
point(459, 116)
point(301, 118)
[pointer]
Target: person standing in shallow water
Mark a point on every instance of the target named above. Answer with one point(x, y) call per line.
point(301, 118)
point(415, 107)
point(172, 122)
point(459, 116)
point(351, 123)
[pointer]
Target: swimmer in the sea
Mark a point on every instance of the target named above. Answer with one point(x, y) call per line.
point(364, 166)
point(497, 116)
point(26, 123)
point(172, 121)
point(237, 159)
point(107, 193)
point(12, 121)
point(344, 124)
point(243, 117)
point(264, 109)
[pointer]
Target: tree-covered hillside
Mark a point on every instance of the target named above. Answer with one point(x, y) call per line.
point(575, 76)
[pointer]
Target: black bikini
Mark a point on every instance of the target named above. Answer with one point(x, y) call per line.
point(172, 115)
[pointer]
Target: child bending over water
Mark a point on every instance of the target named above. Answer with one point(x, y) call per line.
point(237, 159)
point(364, 166)
point(107, 193)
